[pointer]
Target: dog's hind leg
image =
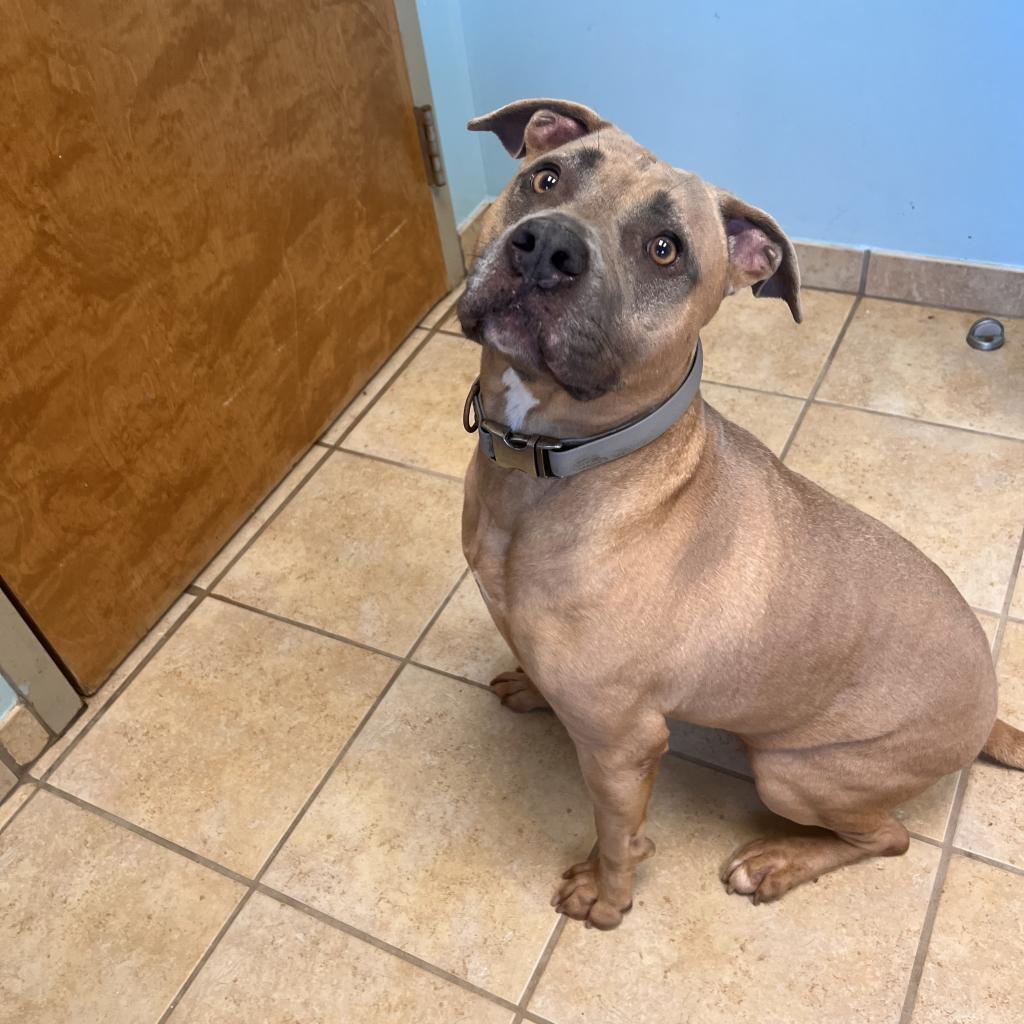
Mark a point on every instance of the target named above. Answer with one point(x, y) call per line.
point(805, 790)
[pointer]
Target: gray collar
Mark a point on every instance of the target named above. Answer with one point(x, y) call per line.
point(545, 457)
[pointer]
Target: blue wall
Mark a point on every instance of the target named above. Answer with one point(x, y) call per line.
point(8, 698)
point(441, 27)
point(892, 125)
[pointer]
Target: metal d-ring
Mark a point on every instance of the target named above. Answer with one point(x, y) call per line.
point(470, 407)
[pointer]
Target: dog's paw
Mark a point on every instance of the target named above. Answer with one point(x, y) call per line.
point(764, 870)
point(579, 897)
point(515, 691)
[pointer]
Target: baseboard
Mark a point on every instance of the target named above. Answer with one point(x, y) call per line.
point(984, 288)
point(469, 233)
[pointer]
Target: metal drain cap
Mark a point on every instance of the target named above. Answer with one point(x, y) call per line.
point(986, 334)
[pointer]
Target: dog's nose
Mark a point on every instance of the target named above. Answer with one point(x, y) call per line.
point(548, 252)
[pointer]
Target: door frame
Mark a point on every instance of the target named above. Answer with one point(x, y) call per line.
point(419, 82)
point(33, 672)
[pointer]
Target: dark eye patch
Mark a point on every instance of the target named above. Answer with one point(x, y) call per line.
point(654, 217)
point(588, 159)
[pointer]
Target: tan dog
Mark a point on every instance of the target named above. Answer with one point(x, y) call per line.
point(697, 578)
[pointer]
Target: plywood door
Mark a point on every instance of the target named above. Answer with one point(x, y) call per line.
point(214, 225)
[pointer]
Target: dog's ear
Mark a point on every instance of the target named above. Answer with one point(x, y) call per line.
point(531, 127)
point(760, 254)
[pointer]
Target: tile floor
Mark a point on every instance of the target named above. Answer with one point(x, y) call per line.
point(295, 802)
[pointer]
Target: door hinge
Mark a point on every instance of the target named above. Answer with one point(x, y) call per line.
point(431, 145)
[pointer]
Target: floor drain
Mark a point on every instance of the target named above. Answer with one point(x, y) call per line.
point(986, 334)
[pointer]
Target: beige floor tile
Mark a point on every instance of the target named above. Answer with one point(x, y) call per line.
point(1017, 604)
point(928, 813)
point(1011, 674)
point(366, 550)
point(956, 495)
point(444, 830)
point(450, 324)
point(104, 926)
point(847, 942)
point(972, 974)
point(8, 781)
point(95, 703)
point(754, 343)
point(913, 361)
point(220, 739)
point(15, 801)
point(22, 734)
point(444, 308)
point(376, 384)
point(464, 640)
point(768, 417)
point(989, 623)
point(276, 965)
point(992, 817)
point(252, 525)
point(418, 420)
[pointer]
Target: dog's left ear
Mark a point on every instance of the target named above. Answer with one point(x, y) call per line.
point(760, 254)
point(531, 127)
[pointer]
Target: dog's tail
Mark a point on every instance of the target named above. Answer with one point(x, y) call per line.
point(1005, 744)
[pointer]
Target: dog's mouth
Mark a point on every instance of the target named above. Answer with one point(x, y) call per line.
point(536, 332)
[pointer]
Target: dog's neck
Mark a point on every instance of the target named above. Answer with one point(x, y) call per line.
point(536, 404)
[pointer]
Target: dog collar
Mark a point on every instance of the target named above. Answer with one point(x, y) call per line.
point(545, 457)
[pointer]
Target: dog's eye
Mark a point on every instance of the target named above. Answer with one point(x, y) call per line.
point(545, 181)
point(663, 250)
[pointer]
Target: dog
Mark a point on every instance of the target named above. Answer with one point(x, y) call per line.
point(646, 559)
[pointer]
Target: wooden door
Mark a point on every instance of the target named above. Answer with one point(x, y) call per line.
point(214, 225)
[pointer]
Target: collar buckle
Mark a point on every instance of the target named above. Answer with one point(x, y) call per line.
point(525, 452)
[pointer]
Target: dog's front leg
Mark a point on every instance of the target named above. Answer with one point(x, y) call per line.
point(620, 776)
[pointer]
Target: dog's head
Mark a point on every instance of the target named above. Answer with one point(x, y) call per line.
point(599, 259)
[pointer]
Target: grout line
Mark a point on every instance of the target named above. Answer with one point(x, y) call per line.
point(917, 419)
point(129, 679)
point(273, 515)
point(821, 377)
point(145, 833)
point(862, 286)
point(1004, 615)
point(400, 465)
point(545, 955)
point(534, 1017)
point(752, 389)
point(255, 882)
point(450, 675)
point(990, 861)
point(732, 772)
point(207, 953)
point(972, 310)
point(309, 627)
point(928, 925)
point(321, 444)
point(927, 840)
point(195, 590)
point(361, 415)
point(27, 801)
point(17, 770)
point(862, 408)
point(381, 944)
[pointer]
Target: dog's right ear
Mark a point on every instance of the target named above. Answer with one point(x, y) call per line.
point(531, 127)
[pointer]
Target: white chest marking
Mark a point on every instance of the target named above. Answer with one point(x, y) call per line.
point(519, 400)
